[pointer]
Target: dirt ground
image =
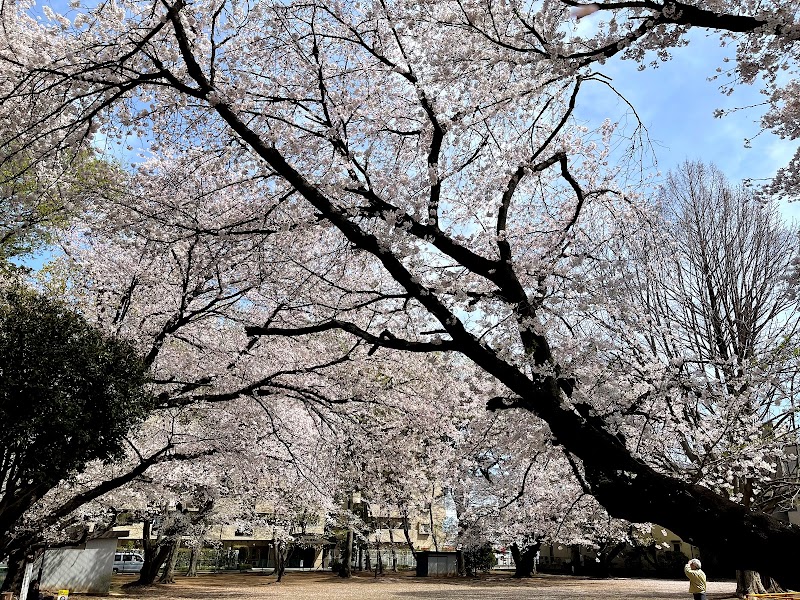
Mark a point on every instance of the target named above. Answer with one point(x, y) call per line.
point(497, 586)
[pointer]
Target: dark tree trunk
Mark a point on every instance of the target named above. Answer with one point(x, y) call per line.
point(575, 558)
point(15, 572)
point(407, 534)
point(748, 582)
point(168, 576)
point(149, 572)
point(461, 563)
point(701, 518)
point(433, 528)
point(393, 551)
point(524, 560)
point(346, 568)
point(194, 557)
point(281, 556)
point(460, 504)
point(367, 559)
point(631, 490)
point(278, 559)
point(516, 556)
point(606, 557)
point(378, 562)
point(155, 553)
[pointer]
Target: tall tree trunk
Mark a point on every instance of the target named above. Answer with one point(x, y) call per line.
point(606, 557)
point(392, 548)
point(155, 553)
point(460, 505)
point(524, 560)
point(378, 560)
point(367, 558)
point(516, 556)
point(281, 556)
point(194, 557)
point(149, 572)
point(748, 582)
point(346, 568)
point(575, 558)
point(278, 558)
point(168, 576)
point(407, 534)
point(15, 572)
point(461, 564)
point(433, 528)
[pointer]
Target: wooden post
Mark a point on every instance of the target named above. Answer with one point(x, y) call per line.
point(26, 581)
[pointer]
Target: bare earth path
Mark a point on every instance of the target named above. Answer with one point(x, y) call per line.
point(324, 586)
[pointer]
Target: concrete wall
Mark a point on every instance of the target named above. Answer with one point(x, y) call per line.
point(84, 569)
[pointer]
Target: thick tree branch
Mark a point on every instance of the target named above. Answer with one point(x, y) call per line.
point(385, 340)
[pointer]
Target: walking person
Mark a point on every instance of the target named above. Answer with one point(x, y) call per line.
point(697, 579)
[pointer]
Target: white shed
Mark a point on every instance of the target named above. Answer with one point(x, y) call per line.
point(83, 569)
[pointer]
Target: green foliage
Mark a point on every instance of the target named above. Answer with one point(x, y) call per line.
point(641, 560)
point(671, 562)
point(37, 199)
point(68, 392)
point(479, 559)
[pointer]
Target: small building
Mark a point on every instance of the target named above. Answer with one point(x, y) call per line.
point(81, 569)
point(437, 564)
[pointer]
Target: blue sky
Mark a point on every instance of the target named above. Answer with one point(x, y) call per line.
point(676, 103)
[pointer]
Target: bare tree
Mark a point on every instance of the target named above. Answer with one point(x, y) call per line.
point(722, 314)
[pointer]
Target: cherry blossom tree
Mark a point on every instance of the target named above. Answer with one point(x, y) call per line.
point(168, 295)
point(406, 446)
point(134, 270)
point(43, 182)
point(235, 463)
point(513, 489)
point(432, 184)
point(170, 275)
point(520, 489)
point(714, 338)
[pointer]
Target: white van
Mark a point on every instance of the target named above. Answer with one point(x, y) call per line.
point(128, 562)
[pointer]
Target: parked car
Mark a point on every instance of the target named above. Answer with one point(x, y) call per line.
point(128, 562)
